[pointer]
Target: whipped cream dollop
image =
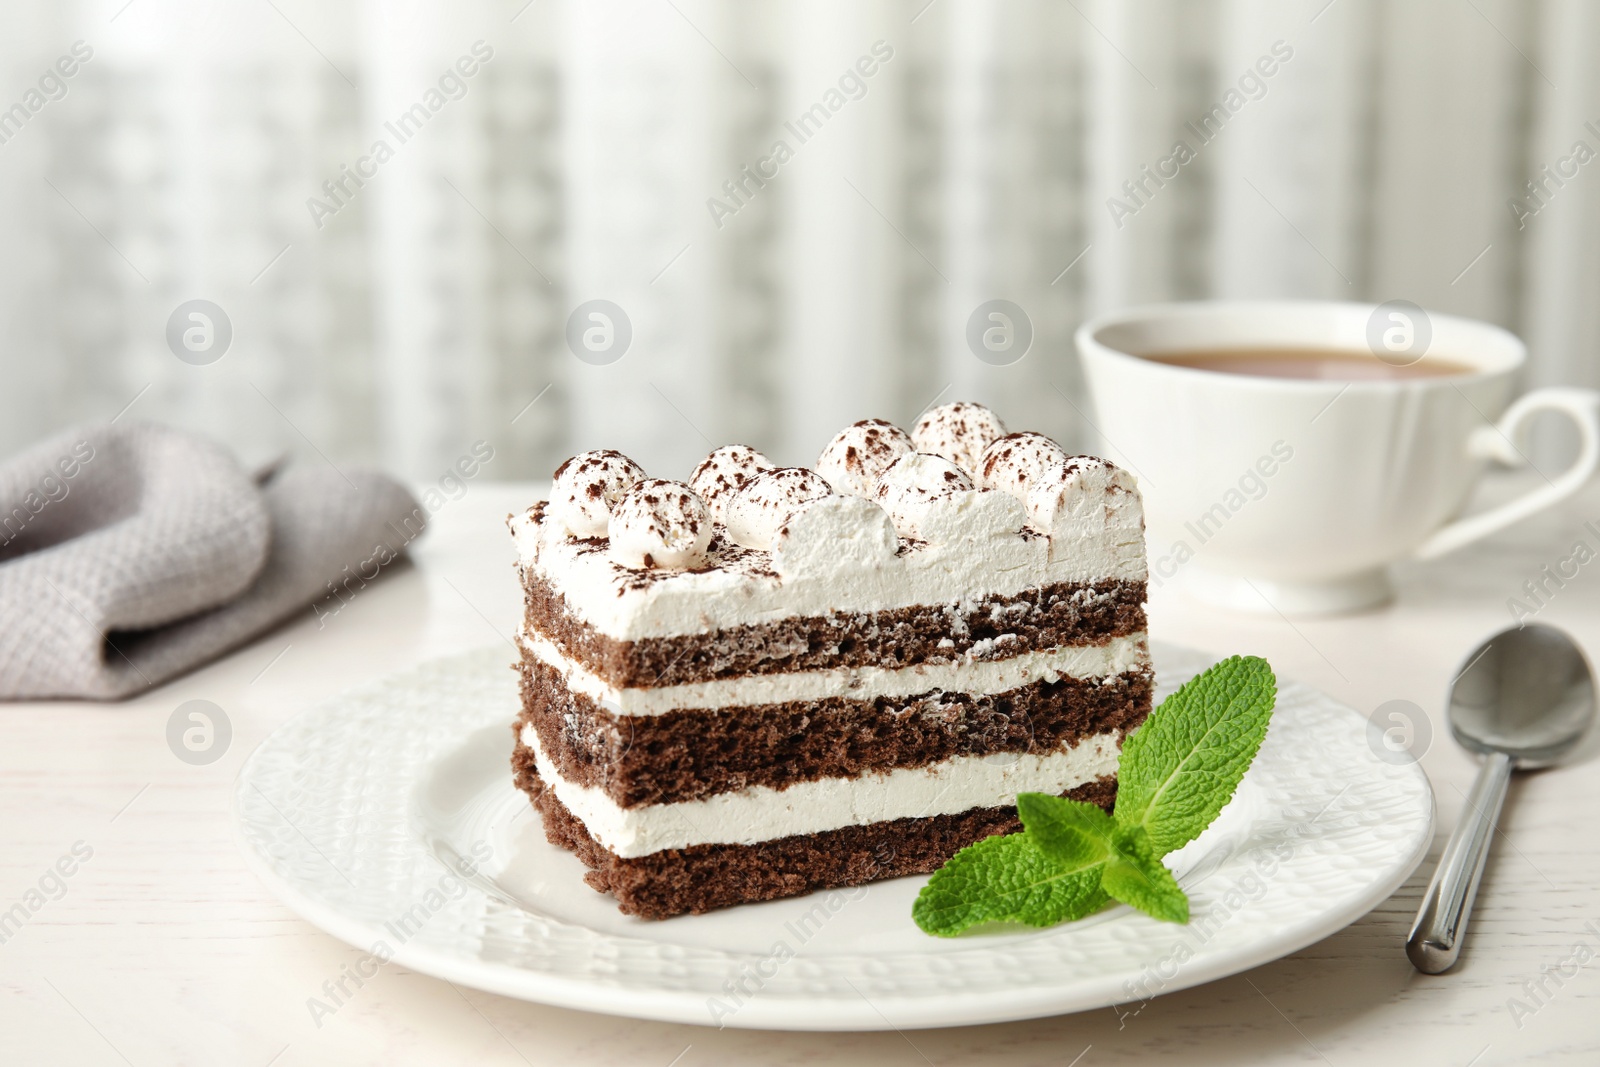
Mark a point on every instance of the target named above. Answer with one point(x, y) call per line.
point(1011, 463)
point(723, 473)
point(1082, 497)
point(662, 524)
point(913, 484)
point(758, 511)
point(959, 432)
point(859, 454)
point(834, 534)
point(587, 487)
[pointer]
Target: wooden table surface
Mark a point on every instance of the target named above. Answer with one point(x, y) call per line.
point(161, 948)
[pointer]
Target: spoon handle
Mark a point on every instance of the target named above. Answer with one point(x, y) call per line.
point(1441, 924)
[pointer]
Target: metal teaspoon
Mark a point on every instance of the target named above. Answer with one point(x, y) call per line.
point(1523, 700)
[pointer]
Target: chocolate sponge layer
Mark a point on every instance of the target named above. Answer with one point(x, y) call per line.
point(989, 627)
point(705, 877)
point(693, 753)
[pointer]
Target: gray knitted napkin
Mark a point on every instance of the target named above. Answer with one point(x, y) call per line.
point(131, 554)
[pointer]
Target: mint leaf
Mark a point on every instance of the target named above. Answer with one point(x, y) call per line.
point(1006, 879)
point(1135, 875)
point(1181, 767)
point(1068, 831)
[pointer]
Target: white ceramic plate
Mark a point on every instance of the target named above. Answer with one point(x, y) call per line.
point(351, 812)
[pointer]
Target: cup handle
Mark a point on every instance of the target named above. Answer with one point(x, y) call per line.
point(1582, 406)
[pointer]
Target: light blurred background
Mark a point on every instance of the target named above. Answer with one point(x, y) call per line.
point(429, 311)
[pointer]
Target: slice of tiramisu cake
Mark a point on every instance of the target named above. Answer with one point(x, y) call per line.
point(773, 680)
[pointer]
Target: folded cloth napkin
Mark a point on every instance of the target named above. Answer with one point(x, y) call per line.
point(131, 554)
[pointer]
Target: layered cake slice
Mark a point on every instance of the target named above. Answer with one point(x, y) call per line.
point(773, 680)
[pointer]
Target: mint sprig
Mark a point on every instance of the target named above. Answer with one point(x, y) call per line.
point(1176, 774)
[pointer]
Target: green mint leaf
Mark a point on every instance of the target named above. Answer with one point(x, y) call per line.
point(1068, 831)
point(1135, 875)
point(1006, 879)
point(1181, 767)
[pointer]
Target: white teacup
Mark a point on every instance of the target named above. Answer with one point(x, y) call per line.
point(1293, 495)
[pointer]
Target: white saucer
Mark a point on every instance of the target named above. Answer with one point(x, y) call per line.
point(350, 813)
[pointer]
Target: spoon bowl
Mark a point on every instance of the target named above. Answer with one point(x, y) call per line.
point(1526, 692)
point(1524, 699)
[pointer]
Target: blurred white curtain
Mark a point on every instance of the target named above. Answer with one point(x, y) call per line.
point(581, 161)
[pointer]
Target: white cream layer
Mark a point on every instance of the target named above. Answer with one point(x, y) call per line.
point(847, 565)
point(762, 813)
point(967, 675)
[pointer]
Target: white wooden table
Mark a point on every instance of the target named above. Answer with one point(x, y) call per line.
point(161, 948)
